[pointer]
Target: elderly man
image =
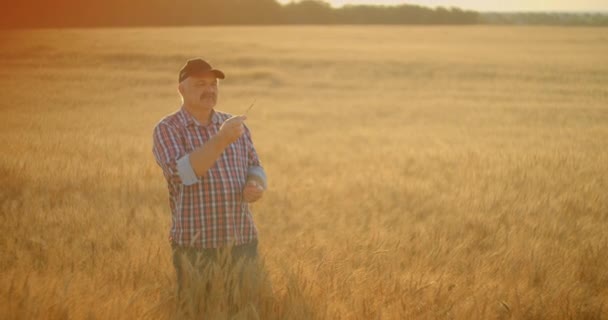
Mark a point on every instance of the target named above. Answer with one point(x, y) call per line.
point(212, 171)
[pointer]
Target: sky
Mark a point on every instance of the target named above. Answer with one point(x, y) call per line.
point(496, 5)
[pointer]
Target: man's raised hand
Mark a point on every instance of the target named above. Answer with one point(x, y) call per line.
point(232, 129)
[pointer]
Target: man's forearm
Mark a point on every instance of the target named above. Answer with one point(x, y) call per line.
point(205, 156)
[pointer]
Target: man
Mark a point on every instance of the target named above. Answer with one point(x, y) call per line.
point(212, 171)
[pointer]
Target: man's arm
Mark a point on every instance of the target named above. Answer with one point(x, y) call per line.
point(205, 156)
point(167, 149)
point(256, 177)
point(255, 170)
point(186, 168)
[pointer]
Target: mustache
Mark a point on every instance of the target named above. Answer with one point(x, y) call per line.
point(207, 95)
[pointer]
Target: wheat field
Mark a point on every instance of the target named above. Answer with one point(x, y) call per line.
point(414, 172)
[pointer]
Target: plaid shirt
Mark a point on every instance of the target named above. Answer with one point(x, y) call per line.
point(207, 211)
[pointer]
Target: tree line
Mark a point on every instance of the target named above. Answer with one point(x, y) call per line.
point(78, 13)
point(120, 13)
point(545, 18)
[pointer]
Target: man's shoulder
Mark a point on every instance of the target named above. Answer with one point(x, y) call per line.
point(171, 120)
point(175, 120)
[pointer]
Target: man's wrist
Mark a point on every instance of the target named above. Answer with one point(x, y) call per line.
point(256, 179)
point(221, 142)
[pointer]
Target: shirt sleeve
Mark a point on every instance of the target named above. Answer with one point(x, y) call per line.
point(253, 161)
point(171, 156)
point(185, 170)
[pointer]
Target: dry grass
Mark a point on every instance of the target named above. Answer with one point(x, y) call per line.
point(415, 172)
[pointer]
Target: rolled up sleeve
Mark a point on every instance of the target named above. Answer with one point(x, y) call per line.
point(258, 172)
point(171, 156)
point(185, 171)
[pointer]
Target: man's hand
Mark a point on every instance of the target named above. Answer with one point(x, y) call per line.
point(232, 129)
point(253, 191)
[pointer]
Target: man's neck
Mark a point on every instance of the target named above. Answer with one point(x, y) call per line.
point(203, 116)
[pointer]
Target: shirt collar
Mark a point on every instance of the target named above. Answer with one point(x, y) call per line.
point(187, 118)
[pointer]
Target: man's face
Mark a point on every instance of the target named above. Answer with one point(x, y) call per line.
point(200, 91)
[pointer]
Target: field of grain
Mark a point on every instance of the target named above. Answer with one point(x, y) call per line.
point(414, 172)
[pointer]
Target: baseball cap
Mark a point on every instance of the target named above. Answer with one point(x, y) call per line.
point(198, 66)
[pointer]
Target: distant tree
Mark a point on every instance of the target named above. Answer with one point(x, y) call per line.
point(308, 11)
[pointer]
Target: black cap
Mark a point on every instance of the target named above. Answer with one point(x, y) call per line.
point(198, 66)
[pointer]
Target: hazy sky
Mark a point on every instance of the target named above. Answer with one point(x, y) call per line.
point(496, 5)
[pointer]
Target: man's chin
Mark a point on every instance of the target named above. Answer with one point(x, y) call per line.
point(206, 106)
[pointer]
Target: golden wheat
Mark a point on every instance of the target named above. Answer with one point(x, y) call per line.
point(414, 172)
